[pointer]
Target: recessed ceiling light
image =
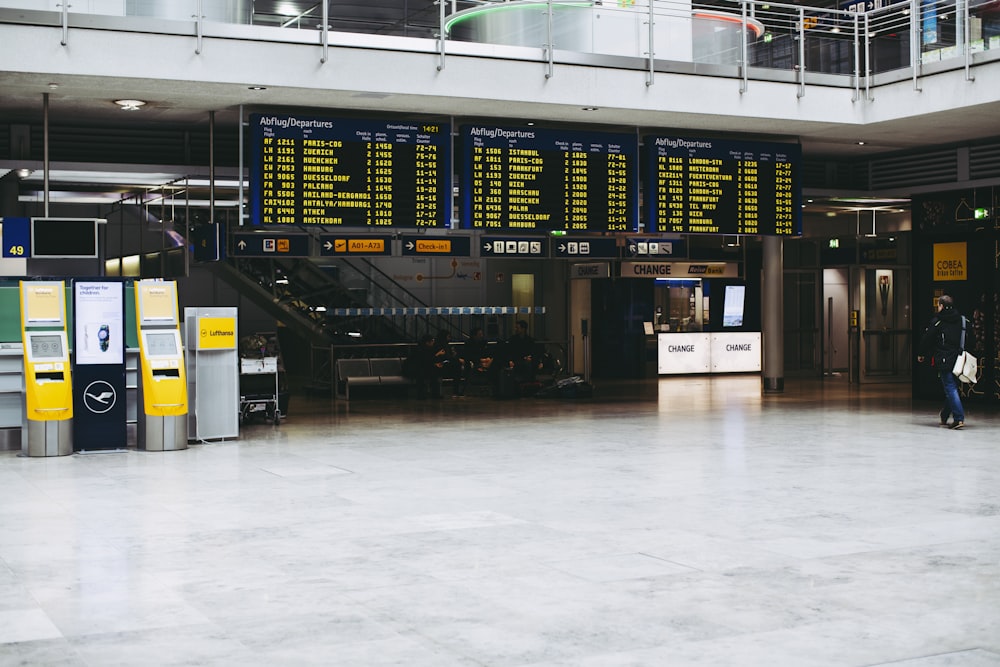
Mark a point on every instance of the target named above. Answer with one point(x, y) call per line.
point(256, 88)
point(130, 105)
point(861, 143)
point(590, 108)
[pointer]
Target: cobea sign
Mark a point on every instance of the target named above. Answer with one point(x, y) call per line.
point(950, 261)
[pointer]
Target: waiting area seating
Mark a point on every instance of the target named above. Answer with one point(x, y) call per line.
point(377, 372)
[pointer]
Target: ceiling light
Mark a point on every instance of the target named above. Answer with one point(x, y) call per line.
point(256, 88)
point(23, 173)
point(130, 105)
point(861, 143)
point(590, 108)
point(53, 86)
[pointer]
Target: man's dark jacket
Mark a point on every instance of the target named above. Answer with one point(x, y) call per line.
point(942, 339)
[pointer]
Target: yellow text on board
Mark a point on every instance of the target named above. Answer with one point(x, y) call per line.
point(366, 245)
point(216, 333)
point(436, 245)
point(950, 261)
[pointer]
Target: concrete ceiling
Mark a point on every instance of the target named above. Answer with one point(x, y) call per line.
point(80, 99)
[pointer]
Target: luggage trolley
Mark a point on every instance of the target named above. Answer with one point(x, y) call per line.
point(259, 389)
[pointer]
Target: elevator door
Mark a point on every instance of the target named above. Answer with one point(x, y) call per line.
point(884, 343)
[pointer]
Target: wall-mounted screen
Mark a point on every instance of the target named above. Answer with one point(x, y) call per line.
point(530, 179)
point(733, 305)
point(722, 187)
point(161, 344)
point(42, 346)
point(349, 173)
point(63, 238)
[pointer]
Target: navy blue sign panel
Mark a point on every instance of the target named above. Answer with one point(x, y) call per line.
point(270, 245)
point(349, 172)
point(449, 246)
point(500, 247)
point(17, 237)
point(339, 245)
point(708, 186)
point(209, 242)
point(524, 179)
point(604, 247)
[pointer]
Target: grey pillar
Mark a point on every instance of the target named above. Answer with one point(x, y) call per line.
point(773, 317)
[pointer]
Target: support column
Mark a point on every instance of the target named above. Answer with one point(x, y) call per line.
point(772, 304)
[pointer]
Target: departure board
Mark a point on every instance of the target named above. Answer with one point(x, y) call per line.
point(723, 187)
point(524, 179)
point(349, 172)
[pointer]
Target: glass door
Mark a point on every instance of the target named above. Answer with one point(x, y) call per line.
point(885, 346)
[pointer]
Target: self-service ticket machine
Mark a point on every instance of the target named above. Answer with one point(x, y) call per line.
point(47, 429)
point(162, 426)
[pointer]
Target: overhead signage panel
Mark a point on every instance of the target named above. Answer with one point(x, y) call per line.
point(345, 244)
point(349, 172)
point(270, 245)
point(535, 179)
point(658, 248)
point(685, 270)
point(452, 246)
point(697, 186)
point(584, 248)
point(507, 246)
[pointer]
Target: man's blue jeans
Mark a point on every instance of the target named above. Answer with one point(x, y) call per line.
point(952, 401)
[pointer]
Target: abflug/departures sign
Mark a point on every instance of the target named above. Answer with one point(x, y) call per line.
point(523, 179)
point(722, 187)
point(349, 172)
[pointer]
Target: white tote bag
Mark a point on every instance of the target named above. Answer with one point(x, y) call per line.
point(966, 368)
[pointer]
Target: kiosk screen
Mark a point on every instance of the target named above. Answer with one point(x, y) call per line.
point(47, 346)
point(161, 344)
point(732, 308)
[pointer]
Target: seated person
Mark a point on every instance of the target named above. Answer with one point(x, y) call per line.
point(421, 367)
point(522, 353)
point(478, 357)
point(450, 366)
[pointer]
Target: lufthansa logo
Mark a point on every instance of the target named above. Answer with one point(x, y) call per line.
point(99, 397)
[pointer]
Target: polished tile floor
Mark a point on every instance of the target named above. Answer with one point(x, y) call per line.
point(666, 522)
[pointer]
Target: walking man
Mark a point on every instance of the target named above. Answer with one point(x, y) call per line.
point(942, 341)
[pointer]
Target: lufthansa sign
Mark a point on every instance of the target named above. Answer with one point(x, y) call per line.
point(216, 333)
point(680, 270)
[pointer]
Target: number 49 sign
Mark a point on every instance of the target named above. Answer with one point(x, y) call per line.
point(17, 237)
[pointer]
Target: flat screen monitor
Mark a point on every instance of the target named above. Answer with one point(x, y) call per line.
point(45, 346)
point(732, 307)
point(63, 238)
point(161, 344)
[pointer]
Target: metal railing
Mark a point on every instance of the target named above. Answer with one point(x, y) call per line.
point(748, 39)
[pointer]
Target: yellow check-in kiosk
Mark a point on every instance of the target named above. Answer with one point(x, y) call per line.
point(47, 429)
point(162, 426)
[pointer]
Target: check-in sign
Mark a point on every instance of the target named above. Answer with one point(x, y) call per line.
point(454, 246)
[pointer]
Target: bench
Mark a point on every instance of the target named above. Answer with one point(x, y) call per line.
point(380, 372)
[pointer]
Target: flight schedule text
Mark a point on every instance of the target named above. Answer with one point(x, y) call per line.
point(529, 179)
point(722, 187)
point(349, 172)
